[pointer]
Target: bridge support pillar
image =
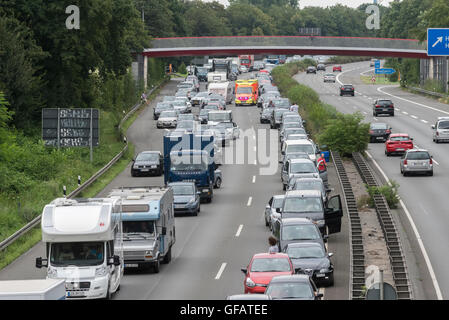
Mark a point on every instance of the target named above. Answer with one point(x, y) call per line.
point(140, 70)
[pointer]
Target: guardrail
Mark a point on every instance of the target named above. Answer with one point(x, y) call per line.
point(391, 235)
point(430, 93)
point(357, 255)
point(8, 241)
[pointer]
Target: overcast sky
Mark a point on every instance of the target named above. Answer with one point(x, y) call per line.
point(325, 3)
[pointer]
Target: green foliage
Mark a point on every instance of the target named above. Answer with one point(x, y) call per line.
point(390, 192)
point(346, 134)
point(182, 68)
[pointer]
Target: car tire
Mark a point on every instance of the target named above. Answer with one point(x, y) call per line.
point(404, 173)
point(284, 187)
point(218, 183)
point(430, 173)
point(108, 294)
point(156, 266)
point(330, 282)
point(133, 174)
point(387, 153)
point(195, 213)
point(167, 257)
point(353, 94)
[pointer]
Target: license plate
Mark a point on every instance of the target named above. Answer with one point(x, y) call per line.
point(400, 149)
point(379, 138)
point(131, 265)
point(153, 167)
point(145, 170)
point(74, 293)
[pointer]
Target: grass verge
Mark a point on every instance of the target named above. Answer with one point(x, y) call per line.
point(379, 80)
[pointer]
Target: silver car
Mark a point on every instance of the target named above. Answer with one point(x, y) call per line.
point(167, 119)
point(298, 168)
point(416, 161)
point(329, 77)
point(441, 130)
point(270, 210)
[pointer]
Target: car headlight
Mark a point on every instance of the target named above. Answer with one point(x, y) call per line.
point(325, 270)
point(192, 201)
point(205, 190)
point(101, 272)
point(250, 283)
point(52, 273)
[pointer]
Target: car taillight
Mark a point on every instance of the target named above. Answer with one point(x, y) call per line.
point(430, 161)
point(378, 106)
point(405, 162)
point(388, 131)
point(371, 131)
point(391, 105)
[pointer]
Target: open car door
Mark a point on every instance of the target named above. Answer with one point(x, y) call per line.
point(333, 214)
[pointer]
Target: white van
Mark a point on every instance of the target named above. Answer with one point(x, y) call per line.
point(84, 246)
point(222, 88)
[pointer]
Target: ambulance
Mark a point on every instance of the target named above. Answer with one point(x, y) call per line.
point(246, 92)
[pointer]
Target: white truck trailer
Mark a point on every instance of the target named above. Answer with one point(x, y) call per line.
point(41, 289)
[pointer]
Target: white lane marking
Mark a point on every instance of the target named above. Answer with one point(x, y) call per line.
point(375, 119)
point(254, 179)
point(239, 230)
point(418, 104)
point(398, 109)
point(414, 117)
point(362, 73)
point(255, 148)
point(365, 112)
point(418, 237)
point(435, 162)
point(250, 199)
point(255, 162)
point(223, 266)
point(404, 112)
point(425, 121)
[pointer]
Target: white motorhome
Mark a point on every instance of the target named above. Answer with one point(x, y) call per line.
point(84, 246)
point(216, 76)
point(41, 289)
point(148, 225)
point(222, 88)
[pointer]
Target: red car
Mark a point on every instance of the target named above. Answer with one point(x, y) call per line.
point(398, 143)
point(262, 268)
point(336, 68)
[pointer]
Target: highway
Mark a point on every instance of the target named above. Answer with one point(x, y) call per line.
point(424, 197)
point(211, 248)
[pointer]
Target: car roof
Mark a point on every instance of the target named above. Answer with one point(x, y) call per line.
point(249, 296)
point(300, 160)
point(304, 244)
point(303, 193)
point(270, 255)
point(309, 180)
point(181, 183)
point(279, 196)
point(293, 221)
point(399, 135)
point(301, 141)
point(291, 278)
point(416, 150)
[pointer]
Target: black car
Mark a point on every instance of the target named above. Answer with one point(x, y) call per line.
point(186, 198)
point(266, 114)
point(379, 131)
point(347, 89)
point(147, 163)
point(293, 287)
point(311, 69)
point(384, 106)
point(311, 259)
point(321, 67)
point(161, 106)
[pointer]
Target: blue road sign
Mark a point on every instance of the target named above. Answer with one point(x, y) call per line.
point(385, 71)
point(377, 64)
point(438, 41)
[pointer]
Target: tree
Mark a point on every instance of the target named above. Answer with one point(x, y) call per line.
point(244, 18)
point(435, 17)
point(206, 19)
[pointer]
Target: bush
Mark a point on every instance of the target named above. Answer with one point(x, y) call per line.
point(389, 192)
point(346, 134)
point(182, 68)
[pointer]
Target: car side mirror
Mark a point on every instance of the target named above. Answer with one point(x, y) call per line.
point(267, 206)
point(278, 210)
point(328, 190)
point(115, 260)
point(244, 270)
point(319, 295)
point(330, 254)
point(297, 270)
point(40, 264)
point(433, 126)
point(280, 161)
point(411, 139)
point(325, 237)
point(198, 192)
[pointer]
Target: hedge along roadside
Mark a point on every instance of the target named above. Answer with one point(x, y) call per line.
point(25, 238)
point(344, 133)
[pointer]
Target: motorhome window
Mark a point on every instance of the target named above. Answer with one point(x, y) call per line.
point(138, 227)
point(188, 163)
point(300, 204)
point(135, 208)
point(182, 190)
point(77, 253)
point(244, 90)
point(147, 157)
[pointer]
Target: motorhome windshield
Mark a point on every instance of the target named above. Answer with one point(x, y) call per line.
point(138, 227)
point(188, 163)
point(79, 254)
point(244, 90)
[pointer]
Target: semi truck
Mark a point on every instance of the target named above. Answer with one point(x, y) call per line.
point(247, 61)
point(190, 157)
point(41, 289)
point(148, 225)
point(84, 246)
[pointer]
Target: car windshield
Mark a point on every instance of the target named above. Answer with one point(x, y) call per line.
point(179, 103)
point(186, 125)
point(295, 290)
point(211, 107)
point(300, 232)
point(400, 138)
point(306, 252)
point(147, 157)
point(348, 86)
point(186, 116)
point(188, 163)
point(226, 125)
point(169, 98)
point(278, 113)
point(295, 131)
point(379, 126)
point(168, 114)
point(219, 116)
point(302, 167)
point(300, 204)
point(291, 124)
point(182, 190)
point(202, 71)
point(418, 155)
point(306, 148)
point(330, 75)
point(270, 265)
point(385, 102)
point(281, 104)
point(308, 185)
point(138, 227)
point(443, 125)
point(77, 254)
point(277, 202)
point(297, 155)
point(244, 90)
point(164, 106)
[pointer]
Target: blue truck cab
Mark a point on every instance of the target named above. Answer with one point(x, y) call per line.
point(190, 157)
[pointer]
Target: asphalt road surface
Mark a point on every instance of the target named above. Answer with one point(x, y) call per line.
point(211, 248)
point(424, 197)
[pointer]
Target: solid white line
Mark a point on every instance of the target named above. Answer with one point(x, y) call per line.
point(424, 121)
point(375, 118)
point(418, 104)
point(223, 266)
point(250, 199)
point(414, 117)
point(404, 112)
point(254, 179)
point(418, 237)
point(435, 162)
point(398, 109)
point(365, 112)
point(239, 230)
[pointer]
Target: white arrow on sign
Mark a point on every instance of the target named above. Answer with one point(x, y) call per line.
point(440, 39)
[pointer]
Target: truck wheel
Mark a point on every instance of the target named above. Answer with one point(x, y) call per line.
point(167, 257)
point(156, 266)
